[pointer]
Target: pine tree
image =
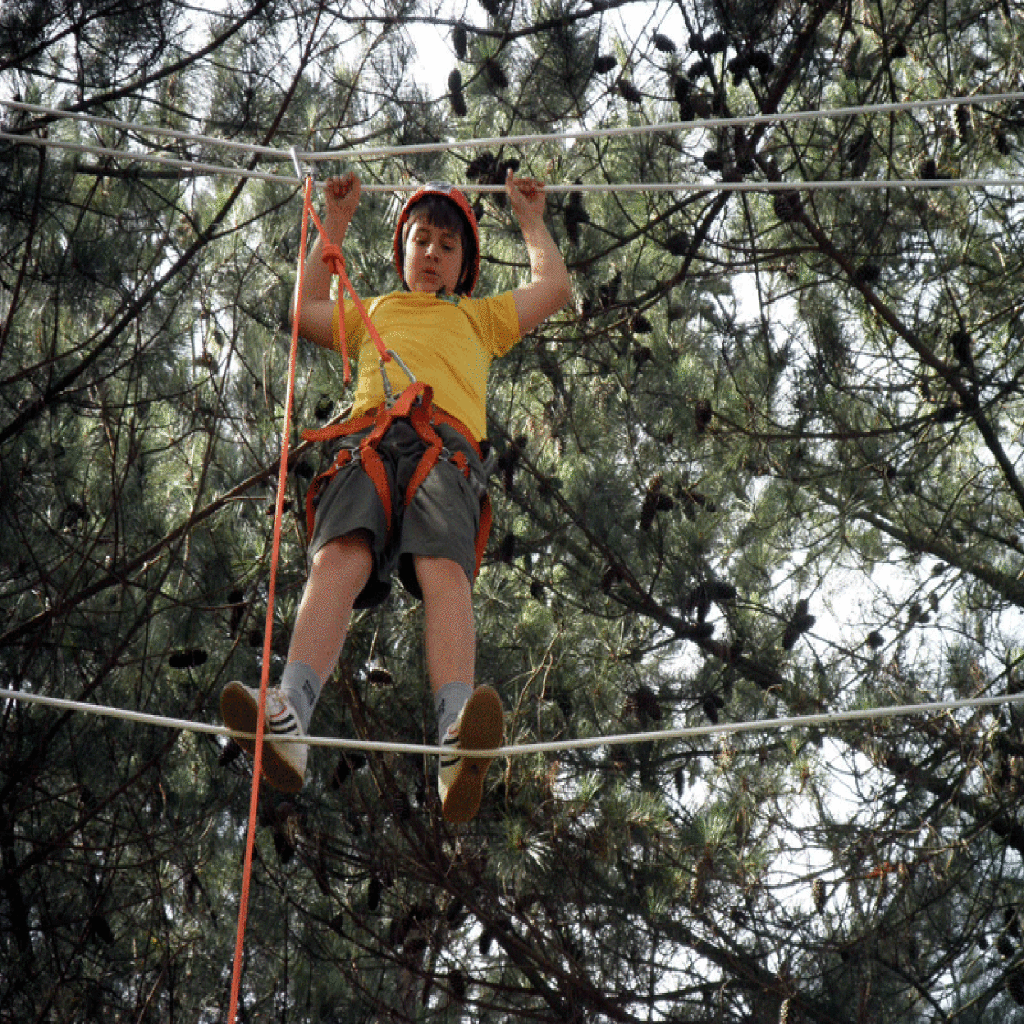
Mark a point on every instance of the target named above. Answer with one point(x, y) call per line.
point(767, 465)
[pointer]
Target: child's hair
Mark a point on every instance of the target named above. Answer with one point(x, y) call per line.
point(443, 214)
point(448, 214)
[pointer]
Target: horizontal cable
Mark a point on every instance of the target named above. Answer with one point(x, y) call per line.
point(161, 131)
point(738, 121)
point(191, 166)
point(827, 185)
point(377, 152)
point(371, 153)
point(690, 732)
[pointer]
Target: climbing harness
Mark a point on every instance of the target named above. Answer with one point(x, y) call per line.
point(414, 404)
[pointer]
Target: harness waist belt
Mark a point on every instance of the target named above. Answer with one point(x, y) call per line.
point(415, 404)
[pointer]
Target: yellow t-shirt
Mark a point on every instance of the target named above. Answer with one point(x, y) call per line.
point(446, 344)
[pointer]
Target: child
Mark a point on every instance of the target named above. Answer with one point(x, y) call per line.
point(373, 513)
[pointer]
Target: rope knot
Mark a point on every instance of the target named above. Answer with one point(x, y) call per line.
point(333, 258)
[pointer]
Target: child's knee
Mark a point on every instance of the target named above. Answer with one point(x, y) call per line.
point(344, 556)
point(440, 575)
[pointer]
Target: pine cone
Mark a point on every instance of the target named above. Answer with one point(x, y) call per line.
point(460, 41)
point(1015, 985)
point(788, 206)
point(458, 100)
point(628, 91)
point(699, 884)
point(819, 895)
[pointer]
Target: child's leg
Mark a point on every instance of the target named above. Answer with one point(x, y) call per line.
point(450, 632)
point(451, 653)
point(449, 635)
point(337, 575)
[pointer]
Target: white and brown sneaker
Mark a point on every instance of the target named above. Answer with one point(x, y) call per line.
point(283, 764)
point(460, 777)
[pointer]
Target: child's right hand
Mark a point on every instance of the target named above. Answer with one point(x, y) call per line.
point(342, 199)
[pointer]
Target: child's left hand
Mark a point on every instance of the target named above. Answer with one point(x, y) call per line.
point(549, 288)
point(526, 196)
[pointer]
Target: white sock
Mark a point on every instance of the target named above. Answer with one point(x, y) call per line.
point(302, 686)
point(448, 703)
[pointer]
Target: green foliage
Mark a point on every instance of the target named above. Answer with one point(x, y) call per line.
point(768, 464)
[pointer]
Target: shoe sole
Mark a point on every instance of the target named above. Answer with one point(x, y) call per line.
point(481, 728)
point(240, 713)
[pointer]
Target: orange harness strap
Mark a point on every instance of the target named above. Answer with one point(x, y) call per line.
point(415, 404)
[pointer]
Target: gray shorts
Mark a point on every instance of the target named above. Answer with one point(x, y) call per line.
point(441, 522)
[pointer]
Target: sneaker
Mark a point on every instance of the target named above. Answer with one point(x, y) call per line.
point(460, 779)
point(284, 764)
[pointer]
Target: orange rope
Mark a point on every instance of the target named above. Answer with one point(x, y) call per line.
point(282, 481)
point(333, 258)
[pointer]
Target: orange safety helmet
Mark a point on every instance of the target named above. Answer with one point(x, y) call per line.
point(470, 259)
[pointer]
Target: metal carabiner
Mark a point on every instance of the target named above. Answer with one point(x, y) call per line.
point(302, 172)
point(388, 395)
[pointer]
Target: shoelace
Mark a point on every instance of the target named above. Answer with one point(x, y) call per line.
point(281, 720)
point(450, 740)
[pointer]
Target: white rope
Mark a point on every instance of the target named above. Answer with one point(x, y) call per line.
point(370, 153)
point(192, 166)
point(588, 742)
point(377, 152)
point(145, 129)
point(738, 121)
point(830, 185)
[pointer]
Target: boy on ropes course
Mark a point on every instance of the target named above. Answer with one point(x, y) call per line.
point(408, 489)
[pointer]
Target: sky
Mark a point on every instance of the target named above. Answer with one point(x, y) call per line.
point(632, 22)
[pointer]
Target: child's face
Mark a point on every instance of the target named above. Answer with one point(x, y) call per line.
point(433, 257)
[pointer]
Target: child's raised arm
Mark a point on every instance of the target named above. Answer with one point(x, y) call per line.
point(550, 287)
point(316, 310)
